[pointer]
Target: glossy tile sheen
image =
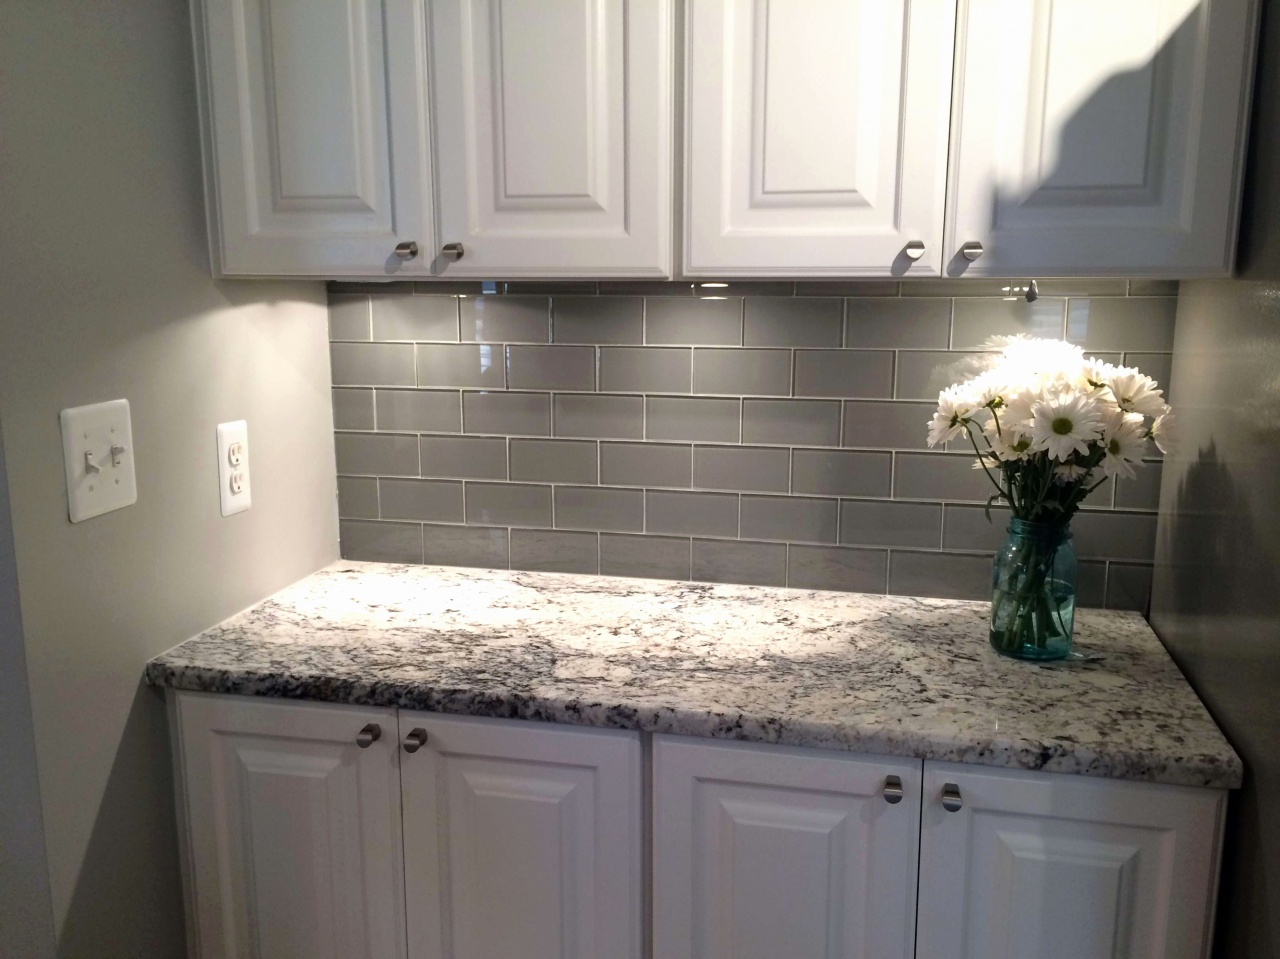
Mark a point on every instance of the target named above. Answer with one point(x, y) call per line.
point(380, 542)
point(840, 473)
point(508, 504)
point(505, 319)
point(923, 375)
point(554, 551)
point(508, 414)
point(775, 667)
point(604, 417)
point(415, 318)
point(372, 364)
point(433, 501)
point(376, 454)
point(348, 317)
point(554, 461)
point(837, 567)
point(645, 370)
point(646, 464)
point(741, 468)
point(691, 514)
point(877, 523)
point(795, 519)
point(464, 457)
point(419, 411)
point(589, 507)
point(791, 422)
point(1132, 323)
point(758, 564)
point(652, 557)
point(353, 409)
point(949, 575)
point(978, 322)
point(844, 373)
point(940, 476)
point(597, 319)
point(693, 322)
point(551, 368)
point(460, 365)
point(709, 420)
point(898, 426)
point(474, 546)
point(909, 323)
point(357, 497)
point(742, 372)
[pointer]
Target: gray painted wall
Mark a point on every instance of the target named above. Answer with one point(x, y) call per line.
point(104, 293)
point(26, 914)
point(1217, 578)
point(769, 433)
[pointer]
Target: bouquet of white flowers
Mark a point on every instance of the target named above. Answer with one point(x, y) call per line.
point(1049, 426)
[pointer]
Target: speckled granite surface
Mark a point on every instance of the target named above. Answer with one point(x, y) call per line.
point(845, 671)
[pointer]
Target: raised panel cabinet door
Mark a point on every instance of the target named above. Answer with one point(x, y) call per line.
point(763, 852)
point(816, 136)
point(521, 839)
point(291, 829)
point(315, 127)
point(553, 129)
point(1091, 137)
point(1054, 866)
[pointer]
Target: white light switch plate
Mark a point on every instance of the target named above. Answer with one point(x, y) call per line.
point(233, 467)
point(97, 448)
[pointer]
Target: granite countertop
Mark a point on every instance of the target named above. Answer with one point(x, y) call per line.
point(845, 671)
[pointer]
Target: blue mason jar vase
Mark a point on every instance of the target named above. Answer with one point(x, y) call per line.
point(1033, 592)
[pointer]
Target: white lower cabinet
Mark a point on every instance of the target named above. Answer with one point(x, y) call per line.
point(765, 852)
point(521, 839)
point(315, 831)
point(1041, 866)
point(292, 829)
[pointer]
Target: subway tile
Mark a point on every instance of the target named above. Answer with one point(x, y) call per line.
point(1081, 286)
point(1158, 366)
point(840, 473)
point(375, 454)
point(423, 411)
point(650, 557)
point(948, 476)
point(1128, 587)
point(591, 507)
point(841, 568)
point(877, 523)
point(507, 414)
point(505, 319)
point(913, 323)
point(744, 288)
point(347, 288)
point(978, 323)
point(939, 575)
point(357, 497)
point(850, 288)
point(755, 564)
point(604, 320)
point(741, 468)
point(464, 457)
point(793, 321)
point(380, 542)
point(553, 461)
point(439, 287)
point(923, 375)
point(844, 373)
point(900, 426)
point(1141, 492)
point(791, 422)
point(789, 519)
point(646, 464)
point(415, 318)
point(551, 287)
point(353, 409)
point(646, 288)
point(372, 364)
point(966, 528)
point(1153, 287)
point(741, 372)
point(626, 369)
point(432, 501)
point(605, 417)
point(474, 546)
point(978, 286)
point(461, 365)
point(1111, 534)
point(691, 514)
point(693, 322)
point(1132, 323)
point(553, 551)
point(678, 418)
point(1091, 585)
point(551, 368)
point(348, 317)
point(508, 504)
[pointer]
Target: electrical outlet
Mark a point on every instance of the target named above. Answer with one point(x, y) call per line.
point(233, 467)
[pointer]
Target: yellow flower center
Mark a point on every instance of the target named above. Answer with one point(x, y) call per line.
point(1062, 426)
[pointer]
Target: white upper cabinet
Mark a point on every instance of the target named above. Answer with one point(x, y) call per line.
point(1095, 137)
point(315, 151)
point(553, 130)
point(521, 839)
point(292, 840)
point(1015, 863)
point(816, 136)
point(775, 853)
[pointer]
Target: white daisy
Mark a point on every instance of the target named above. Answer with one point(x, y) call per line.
point(1097, 373)
point(1125, 441)
point(1068, 472)
point(1136, 393)
point(955, 409)
point(1008, 443)
point(1162, 430)
point(1065, 423)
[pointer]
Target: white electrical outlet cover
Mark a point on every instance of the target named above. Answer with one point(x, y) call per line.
point(97, 449)
point(233, 467)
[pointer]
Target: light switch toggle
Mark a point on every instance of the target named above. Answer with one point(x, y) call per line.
point(89, 465)
point(115, 453)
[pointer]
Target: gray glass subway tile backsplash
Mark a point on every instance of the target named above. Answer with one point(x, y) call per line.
point(775, 435)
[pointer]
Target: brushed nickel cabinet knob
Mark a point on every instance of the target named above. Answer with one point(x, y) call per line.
point(416, 739)
point(452, 252)
point(914, 250)
point(369, 735)
point(971, 250)
point(407, 250)
point(893, 790)
point(951, 800)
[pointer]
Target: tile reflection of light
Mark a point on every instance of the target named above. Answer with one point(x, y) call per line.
point(713, 285)
point(486, 358)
